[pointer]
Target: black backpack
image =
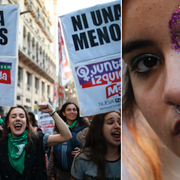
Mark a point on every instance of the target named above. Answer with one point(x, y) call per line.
point(62, 152)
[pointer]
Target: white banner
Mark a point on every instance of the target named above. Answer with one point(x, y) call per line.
point(92, 32)
point(93, 38)
point(99, 85)
point(9, 15)
point(45, 122)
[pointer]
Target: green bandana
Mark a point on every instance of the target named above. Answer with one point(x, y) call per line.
point(16, 151)
point(73, 125)
point(1, 121)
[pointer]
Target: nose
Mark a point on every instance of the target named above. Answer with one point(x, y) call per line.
point(171, 92)
point(117, 125)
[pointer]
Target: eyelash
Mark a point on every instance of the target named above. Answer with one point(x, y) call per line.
point(135, 60)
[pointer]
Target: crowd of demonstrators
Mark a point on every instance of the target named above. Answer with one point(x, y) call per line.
point(61, 156)
point(2, 116)
point(150, 51)
point(23, 149)
point(99, 158)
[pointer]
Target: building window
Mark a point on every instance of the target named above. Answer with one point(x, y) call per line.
point(43, 88)
point(19, 76)
point(36, 85)
point(18, 97)
point(48, 91)
point(28, 100)
point(28, 80)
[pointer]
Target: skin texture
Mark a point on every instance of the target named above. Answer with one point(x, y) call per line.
point(70, 113)
point(156, 89)
point(112, 125)
point(17, 116)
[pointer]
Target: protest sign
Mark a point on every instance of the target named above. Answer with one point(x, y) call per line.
point(45, 122)
point(9, 15)
point(92, 37)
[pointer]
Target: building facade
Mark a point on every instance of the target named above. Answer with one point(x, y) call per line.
point(36, 52)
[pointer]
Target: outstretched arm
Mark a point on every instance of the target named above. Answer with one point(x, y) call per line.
point(62, 127)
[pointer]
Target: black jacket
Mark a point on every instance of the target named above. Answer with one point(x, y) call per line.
point(35, 166)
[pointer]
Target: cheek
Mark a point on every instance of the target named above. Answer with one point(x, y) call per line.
point(150, 104)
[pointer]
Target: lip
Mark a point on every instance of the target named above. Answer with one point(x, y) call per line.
point(176, 129)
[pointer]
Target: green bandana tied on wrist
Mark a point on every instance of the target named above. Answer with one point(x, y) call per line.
point(16, 151)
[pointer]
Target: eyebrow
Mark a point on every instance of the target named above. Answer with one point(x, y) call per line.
point(19, 114)
point(137, 44)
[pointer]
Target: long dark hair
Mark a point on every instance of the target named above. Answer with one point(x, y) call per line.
point(30, 131)
point(95, 147)
point(78, 118)
point(33, 119)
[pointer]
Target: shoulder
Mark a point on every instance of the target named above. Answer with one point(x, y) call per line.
point(83, 131)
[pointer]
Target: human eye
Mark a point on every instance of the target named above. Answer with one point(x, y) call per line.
point(110, 122)
point(143, 63)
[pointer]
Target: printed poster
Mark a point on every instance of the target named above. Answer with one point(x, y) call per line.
point(45, 122)
point(93, 39)
point(9, 15)
point(100, 82)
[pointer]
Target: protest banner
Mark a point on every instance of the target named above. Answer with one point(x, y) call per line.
point(9, 17)
point(64, 70)
point(92, 37)
point(45, 122)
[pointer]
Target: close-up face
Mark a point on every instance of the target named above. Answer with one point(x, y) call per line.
point(112, 129)
point(17, 121)
point(70, 112)
point(152, 55)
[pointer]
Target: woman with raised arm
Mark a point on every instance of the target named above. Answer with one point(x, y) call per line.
point(22, 150)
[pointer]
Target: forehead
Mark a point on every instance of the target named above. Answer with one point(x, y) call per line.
point(17, 111)
point(71, 106)
point(145, 19)
point(112, 115)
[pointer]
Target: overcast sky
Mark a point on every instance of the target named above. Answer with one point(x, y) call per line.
point(67, 6)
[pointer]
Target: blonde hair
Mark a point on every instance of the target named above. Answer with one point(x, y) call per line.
point(140, 150)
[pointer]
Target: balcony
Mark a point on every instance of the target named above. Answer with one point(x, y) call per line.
point(50, 38)
point(49, 20)
point(39, 21)
point(33, 10)
point(40, 3)
point(27, 2)
point(44, 10)
point(36, 66)
point(45, 30)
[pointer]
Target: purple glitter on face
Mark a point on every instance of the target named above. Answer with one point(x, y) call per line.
point(173, 23)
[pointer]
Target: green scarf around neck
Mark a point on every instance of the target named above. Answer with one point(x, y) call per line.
point(16, 151)
point(73, 125)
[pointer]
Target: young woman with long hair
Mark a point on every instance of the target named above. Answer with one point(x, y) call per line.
point(71, 116)
point(22, 150)
point(150, 51)
point(100, 156)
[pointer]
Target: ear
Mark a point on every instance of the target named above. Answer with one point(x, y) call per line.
point(63, 113)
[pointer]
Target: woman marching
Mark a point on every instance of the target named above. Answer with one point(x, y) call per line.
point(22, 150)
point(62, 155)
point(150, 50)
point(100, 156)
